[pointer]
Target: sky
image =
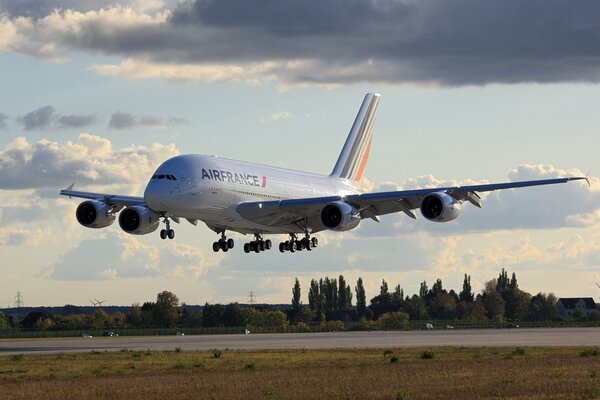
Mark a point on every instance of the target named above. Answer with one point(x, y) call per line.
point(99, 94)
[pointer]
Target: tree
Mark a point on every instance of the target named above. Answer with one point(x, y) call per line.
point(513, 282)
point(164, 312)
point(315, 299)
point(494, 305)
point(100, 319)
point(212, 315)
point(296, 303)
point(393, 321)
point(466, 294)
point(134, 317)
point(344, 294)
point(442, 306)
point(361, 298)
point(542, 307)
point(268, 319)
point(423, 290)
point(503, 283)
point(415, 306)
point(383, 289)
point(398, 293)
point(232, 315)
point(381, 304)
point(329, 292)
point(3, 322)
point(117, 320)
point(436, 289)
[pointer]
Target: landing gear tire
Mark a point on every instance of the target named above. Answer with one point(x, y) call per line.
point(246, 248)
point(167, 233)
point(230, 243)
point(294, 244)
point(268, 244)
point(216, 247)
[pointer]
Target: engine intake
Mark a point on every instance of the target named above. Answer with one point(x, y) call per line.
point(339, 216)
point(439, 207)
point(138, 220)
point(94, 214)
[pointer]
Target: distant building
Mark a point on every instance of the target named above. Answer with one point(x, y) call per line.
point(566, 307)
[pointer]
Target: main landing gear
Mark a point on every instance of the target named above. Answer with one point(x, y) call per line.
point(257, 245)
point(223, 244)
point(167, 233)
point(293, 245)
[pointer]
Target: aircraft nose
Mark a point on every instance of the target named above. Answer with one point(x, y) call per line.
point(154, 197)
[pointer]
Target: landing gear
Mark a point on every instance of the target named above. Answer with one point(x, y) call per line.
point(223, 244)
point(295, 244)
point(257, 245)
point(167, 233)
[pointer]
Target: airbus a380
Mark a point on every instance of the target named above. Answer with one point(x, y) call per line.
point(256, 199)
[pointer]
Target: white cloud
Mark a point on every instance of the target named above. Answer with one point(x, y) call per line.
point(90, 160)
point(248, 73)
point(278, 116)
point(113, 254)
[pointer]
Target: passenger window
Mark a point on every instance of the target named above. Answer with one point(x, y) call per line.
point(153, 177)
point(168, 177)
point(161, 177)
point(173, 177)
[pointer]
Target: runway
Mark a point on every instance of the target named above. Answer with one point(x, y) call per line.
point(553, 337)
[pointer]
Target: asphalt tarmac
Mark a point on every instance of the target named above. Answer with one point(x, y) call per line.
point(552, 337)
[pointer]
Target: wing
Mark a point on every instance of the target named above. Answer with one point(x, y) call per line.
point(306, 212)
point(112, 199)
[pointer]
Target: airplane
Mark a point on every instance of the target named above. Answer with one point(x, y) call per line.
point(254, 199)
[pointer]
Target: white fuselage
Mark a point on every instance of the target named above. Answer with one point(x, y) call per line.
point(208, 188)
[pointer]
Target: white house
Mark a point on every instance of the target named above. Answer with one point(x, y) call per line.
point(566, 307)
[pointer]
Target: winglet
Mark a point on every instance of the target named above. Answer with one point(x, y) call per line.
point(587, 178)
point(68, 189)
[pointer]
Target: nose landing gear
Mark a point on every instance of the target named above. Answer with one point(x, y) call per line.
point(167, 233)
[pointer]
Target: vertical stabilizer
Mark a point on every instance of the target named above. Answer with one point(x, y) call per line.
point(355, 153)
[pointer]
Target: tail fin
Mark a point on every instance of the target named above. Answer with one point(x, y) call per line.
point(355, 153)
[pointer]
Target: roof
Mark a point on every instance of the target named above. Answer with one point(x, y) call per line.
point(570, 302)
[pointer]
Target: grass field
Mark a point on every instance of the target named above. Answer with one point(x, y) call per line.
point(445, 373)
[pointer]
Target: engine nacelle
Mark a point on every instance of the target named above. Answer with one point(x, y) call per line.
point(340, 216)
point(94, 214)
point(439, 207)
point(138, 220)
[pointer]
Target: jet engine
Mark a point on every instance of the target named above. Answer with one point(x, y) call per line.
point(94, 214)
point(439, 207)
point(340, 216)
point(138, 220)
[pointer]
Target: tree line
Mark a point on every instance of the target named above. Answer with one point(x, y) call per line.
point(330, 305)
point(500, 300)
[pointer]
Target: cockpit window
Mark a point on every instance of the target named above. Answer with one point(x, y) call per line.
point(169, 177)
